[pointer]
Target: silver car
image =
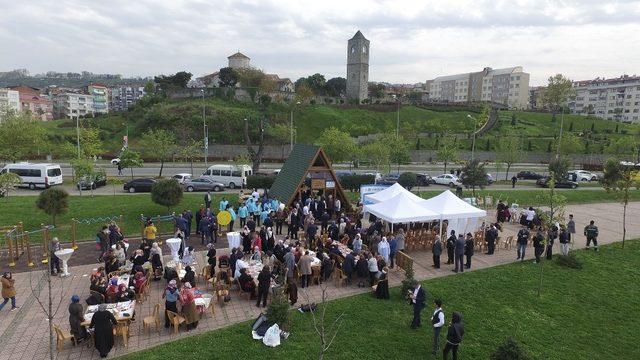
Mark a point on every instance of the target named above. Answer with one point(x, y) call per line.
point(202, 184)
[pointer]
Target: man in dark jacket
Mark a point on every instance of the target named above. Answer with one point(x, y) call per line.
point(418, 298)
point(451, 245)
point(324, 222)
point(538, 245)
point(491, 236)
point(459, 254)
point(454, 336)
point(552, 235)
point(591, 232)
point(349, 265)
point(103, 237)
point(437, 251)
point(523, 238)
point(468, 249)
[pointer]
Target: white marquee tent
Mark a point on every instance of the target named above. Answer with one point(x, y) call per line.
point(402, 208)
point(390, 192)
point(462, 216)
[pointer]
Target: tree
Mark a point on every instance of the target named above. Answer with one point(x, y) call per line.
point(228, 77)
point(130, 159)
point(377, 153)
point(166, 192)
point(189, 151)
point(377, 90)
point(618, 180)
point(337, 144)
point(173, 82)
point(326, 332)
point(336, 86)
point(510, 350)
point(8, 181)
point(408, 180)
point(83, 168)
point(54, 202)
point(559, 90)
point(316, 82)
point(20, 135)
point(623, 146)
point(514, 120)
point(160, 144)
point(474, 175)
point(303, 93)
point(281, 133)
point(398, 148)
point(556, 204)
point(447, 151)
point(559, 168)
point(570, 143)
point(255, 155)
point(509, 152)
point(90, 143)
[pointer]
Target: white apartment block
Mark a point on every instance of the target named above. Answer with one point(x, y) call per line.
point(613, 99)
point(72, 105)
point(9, 101)
point(509, 86)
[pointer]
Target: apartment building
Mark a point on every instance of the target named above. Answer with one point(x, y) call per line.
point(100, 95)
point(508, 86)
point(123, 96)
point(72, 105)
point(536, 97)
point(33, 101)
point(613, 99)
point(9, 101)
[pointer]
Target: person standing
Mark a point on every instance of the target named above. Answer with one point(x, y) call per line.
point(76, 317)
point(571, 227)
point(400, 239)
point(264, 282)
point(187, 300)
point(437, 320)
point(103, 323)
point(451, 246)
point(222, 206)
point(491, 236)
point(552, 234)
point(468, 249)
point(393, 249)
point(8, 290)
point(207, 200)
point(454, 336)
point(103, 240)
point(418, 297)
point(243, 212)
point(564, 240)
point(514, 180)
point(523, 238)
point(233, 218)
point(591, 232)
point(436, 249)
point(384, 249)
point(55, 262)
point(372, 265)
point(304, 265)
point(538, 245)
point(150, 232)
point(459, 254)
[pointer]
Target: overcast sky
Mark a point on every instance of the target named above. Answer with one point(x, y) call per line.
point(411, 41)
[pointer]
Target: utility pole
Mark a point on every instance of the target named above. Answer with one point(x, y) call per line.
point(473, 142)
point(78, 134)
point(204, 129)
point(560, 137)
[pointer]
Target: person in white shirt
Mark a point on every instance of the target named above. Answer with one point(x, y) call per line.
point(437, 320)
point(240, 264)
point(372, 264)
point(530, 214)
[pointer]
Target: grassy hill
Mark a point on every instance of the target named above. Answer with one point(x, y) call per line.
point(226, 121)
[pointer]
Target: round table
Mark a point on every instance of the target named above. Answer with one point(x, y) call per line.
point(64, 256)
point(174, 245)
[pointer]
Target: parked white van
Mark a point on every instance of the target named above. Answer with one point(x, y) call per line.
point(232, 176)
point(35, 175)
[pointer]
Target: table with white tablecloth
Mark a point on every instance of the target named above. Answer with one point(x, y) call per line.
point(234, 239)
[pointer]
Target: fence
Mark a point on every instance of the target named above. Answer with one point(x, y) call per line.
point(89, 221)
point(404, 261)
point(18, 244)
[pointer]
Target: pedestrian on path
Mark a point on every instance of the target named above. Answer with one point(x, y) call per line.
point(437, 251)
point(523, 238)
point(451, 245)
point(459, 254)
point(551, 239)
point(538, 245)
point(8, 290)
point(514, 180)
point(468, 249)
point(454, 336)
point(571, 227)
point(591, 232)
point(563, 237)
point(437, 320)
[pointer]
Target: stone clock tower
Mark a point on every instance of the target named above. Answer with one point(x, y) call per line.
point(358, 67)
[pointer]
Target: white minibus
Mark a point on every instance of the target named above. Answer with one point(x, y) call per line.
point(232, 176)
point(35, 175)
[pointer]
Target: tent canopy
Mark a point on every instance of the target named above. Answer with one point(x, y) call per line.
point(392, 191)
point(449, 206)
point(402, 208)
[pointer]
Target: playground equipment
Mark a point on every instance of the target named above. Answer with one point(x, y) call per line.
point(89, 221)
point(17, 241)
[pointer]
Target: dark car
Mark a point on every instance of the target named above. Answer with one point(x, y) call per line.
point(100, 179)
point(139, 185)
point(567, 184)
point(424, 179)
point(529, 175)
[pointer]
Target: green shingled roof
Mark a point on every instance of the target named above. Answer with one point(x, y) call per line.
point(293, 172)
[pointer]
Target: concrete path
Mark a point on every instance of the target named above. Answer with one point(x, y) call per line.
point(24, 332)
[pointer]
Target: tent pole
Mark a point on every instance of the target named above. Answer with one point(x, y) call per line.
point(441, 228)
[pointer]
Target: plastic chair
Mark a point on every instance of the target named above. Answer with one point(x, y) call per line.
point(62, 336)
point(175, 320)
point(152, 320)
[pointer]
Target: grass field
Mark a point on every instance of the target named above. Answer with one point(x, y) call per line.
point(581, 314)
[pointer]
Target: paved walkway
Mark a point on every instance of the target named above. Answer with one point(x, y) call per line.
point(24, 333)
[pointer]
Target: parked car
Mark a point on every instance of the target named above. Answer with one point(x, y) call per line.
point(424, 179)
point(447, 179)
point(529, 175)
point(341, 173)
point(182, 177)
point(100, 179)
point(202, 184)
point(490, 179)
point(387, 181)
point(376, 176)
point(582, 175)
point(568, 184)
point(139, 185)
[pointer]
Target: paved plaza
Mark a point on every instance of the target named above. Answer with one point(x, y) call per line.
point(24, 332)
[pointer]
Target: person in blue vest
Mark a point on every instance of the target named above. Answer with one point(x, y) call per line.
point(256, 213)
point(223, 204)
point(243, 212)
point(264, 214)
point(233, 217)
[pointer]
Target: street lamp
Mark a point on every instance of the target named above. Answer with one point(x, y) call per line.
point(473, 142)
point(204, 129)
point(291, 125)
point(78, 134)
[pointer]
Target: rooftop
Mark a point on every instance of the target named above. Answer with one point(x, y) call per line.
point(238, 55)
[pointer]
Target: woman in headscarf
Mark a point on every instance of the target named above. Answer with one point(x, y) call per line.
point(157, 266)
point(76, 317)
point(257, 255)
point(8, 290)
point(124, 293)
point(357, 244)
point(103, 322)
point(138, 281)
point(382, 288)
point(170, 297)
point(256, 242)
point(246, 240)
point(119, 254)
point(111, 294)
point(155, 249)
point(188, 303)
point(189, 276)
point(247, 284)
point(211, 259)
point(189, 256)
point(270, 240)
point(384, 249)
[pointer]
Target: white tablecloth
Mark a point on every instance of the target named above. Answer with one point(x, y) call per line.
point(234, 239)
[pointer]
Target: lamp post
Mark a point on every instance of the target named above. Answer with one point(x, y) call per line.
point(78, 134)
point(204, 129)
point(291, 125)
point(397, 98)
point(473, 142)
point(560, 137)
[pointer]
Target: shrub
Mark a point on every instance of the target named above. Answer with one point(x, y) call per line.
point(53, 202)
point(408, 180)
point(510, 350)
point(278, 309)
point(407, 283)
point(260, 181)
point(353, 182)
point(166, 193)
point(570, 261)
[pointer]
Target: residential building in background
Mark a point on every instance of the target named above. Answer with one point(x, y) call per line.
point(9, 101)
point(121, 97)
point(100, 96)
point(72, 105)
point(32, 100)
point(536, 97)
point(508, 86)
point(239, 61)
point(358, 67)
point(613, 99)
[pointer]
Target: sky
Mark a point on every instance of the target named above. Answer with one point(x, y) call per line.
point(411, 41)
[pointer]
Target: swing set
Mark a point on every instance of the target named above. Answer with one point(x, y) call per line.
point(18, 243)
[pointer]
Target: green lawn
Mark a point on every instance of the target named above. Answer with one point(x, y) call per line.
point(582, 314)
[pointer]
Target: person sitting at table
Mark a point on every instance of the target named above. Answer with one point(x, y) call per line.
point(382, 288)
point(211, 259)
point(156, 266)
point(240, 265)
point(121, 257)
point(111, 262)
point(99, 285)
point(103, 323)
point(189, 257)
point(257, 255)
point(155, 249)
point(138, 281)
point(111, 294)
point(170, 297)
point(334, 249)
point(264, 283)
point(99, 273)
point(256, 242)
point(145, 247)
point(124, 294)
point(326, 267)
point(189, 276)
point(138, 258)
point(247, 284)
point(187, 300)
point(76, 317)
point(170, 274)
